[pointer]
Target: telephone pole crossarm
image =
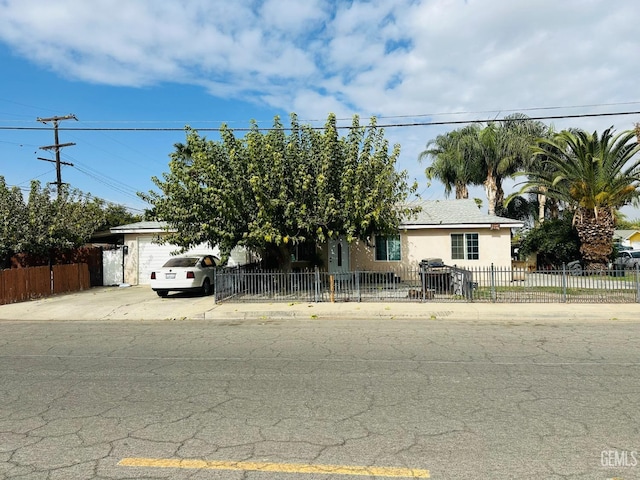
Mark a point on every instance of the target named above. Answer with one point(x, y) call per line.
point(53, 147)
point(57, 145)
point(53, 161)
point(71, 116)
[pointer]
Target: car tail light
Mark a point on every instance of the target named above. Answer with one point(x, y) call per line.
point(153, 275)
point(191, 275)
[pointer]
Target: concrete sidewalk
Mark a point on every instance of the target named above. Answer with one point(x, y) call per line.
point(529, 312)
point(141, 303)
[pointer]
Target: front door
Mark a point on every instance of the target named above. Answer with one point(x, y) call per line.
point(339, 257)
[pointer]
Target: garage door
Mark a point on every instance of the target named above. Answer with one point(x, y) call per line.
point(151, 256)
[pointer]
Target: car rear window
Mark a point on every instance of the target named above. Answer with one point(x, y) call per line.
point(181, 262)
point(635, 254)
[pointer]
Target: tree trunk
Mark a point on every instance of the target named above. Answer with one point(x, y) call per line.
point(542, 202)
point(595, 230)
point(499, 202)
point(554, 208)
point(462, 191)
point(491, 189)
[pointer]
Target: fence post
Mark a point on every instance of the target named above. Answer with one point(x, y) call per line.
point(332, 288)
point(564, 283)
point(215, 285)
point(358, 292)
point(493, 285)
point(637, 283)
point(317, 285)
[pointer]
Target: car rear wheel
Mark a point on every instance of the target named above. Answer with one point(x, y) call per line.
point(206, 287)
point(162, 293)
point(576, 270)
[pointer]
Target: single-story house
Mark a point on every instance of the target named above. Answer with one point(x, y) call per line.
point(627, 238)
point(456, 231)
point(142, 254)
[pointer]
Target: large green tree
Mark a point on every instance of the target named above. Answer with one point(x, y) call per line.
point(13, 215)
point(274, 189)
point(115, 215)
point(593, 175)
point(58, 221)
point(46, 221)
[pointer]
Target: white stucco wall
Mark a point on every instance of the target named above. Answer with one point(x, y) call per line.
point(131, 260)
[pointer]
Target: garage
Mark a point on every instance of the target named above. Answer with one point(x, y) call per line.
point(144, 254)
point(151, 256)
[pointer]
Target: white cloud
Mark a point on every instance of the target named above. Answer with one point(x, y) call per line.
point(314, 57)
point(293, 16)
point(385, 57)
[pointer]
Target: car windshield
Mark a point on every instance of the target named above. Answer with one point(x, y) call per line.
point(182, 262)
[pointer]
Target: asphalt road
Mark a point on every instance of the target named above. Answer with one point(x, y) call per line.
point(297, 399)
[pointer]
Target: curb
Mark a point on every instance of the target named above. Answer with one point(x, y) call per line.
point(547, 313)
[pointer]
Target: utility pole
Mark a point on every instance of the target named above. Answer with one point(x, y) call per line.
point(57, 146)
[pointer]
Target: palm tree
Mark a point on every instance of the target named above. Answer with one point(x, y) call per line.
point(452, 162)
point(485, 156)
point(537, 163)
point(503, 148)
point(593, 175)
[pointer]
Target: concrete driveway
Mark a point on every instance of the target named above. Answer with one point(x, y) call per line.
point(110, 303)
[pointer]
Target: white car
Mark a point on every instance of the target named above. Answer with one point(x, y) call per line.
point(628, 259)
point(185, 273)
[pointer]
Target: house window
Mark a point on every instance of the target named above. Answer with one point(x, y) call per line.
point(465, 246)
point(388, 248)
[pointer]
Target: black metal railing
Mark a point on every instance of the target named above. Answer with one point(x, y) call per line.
point(420, 284)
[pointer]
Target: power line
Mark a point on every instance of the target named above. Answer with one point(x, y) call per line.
point(103, 178)
point(116, 155)
point(111, 183)
point(345, 127)
point(497, 111)
point(419, 115)
point(37, 176)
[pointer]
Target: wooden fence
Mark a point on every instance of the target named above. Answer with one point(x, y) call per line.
point(21, 284)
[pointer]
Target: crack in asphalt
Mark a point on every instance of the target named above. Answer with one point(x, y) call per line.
point(343, 395)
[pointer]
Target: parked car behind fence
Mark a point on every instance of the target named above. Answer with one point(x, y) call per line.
point(626, 259)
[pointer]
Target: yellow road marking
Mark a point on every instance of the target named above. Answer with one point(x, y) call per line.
point(275, 467)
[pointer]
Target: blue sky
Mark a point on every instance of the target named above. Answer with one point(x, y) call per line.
point(151, 64)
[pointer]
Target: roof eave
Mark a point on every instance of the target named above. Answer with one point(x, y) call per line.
point(440, 226)
point(142, 230)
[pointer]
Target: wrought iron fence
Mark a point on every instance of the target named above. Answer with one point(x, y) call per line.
point(441, 284)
